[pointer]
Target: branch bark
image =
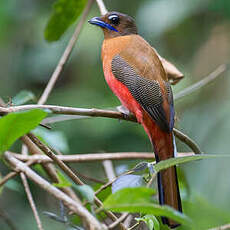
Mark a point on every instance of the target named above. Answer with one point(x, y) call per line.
point(92, 222)
point(101, 7)
point(31, 201)
point(91, 157)
point(95, 113)
point(190, 89)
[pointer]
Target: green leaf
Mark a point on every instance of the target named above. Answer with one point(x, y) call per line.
point(23, 97)
point(86, 191)
point(65, 13)
point(63, 181)
point(38, 168)
point(151, 221)
point(15, 125)
point(180, 160)
point(104, 193)
point(140, 200)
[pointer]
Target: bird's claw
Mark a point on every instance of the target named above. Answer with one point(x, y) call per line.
point(125, 112)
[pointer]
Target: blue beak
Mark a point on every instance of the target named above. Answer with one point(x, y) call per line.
point(98, 22)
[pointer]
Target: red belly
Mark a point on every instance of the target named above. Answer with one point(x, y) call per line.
point(161, 139)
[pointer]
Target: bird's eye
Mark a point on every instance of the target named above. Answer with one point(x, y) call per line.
point(114, 19)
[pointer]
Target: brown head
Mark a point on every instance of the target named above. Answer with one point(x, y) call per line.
point(115, 24)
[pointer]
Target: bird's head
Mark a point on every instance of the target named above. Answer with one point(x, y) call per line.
point(115, 24)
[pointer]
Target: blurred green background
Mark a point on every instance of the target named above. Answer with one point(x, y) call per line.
point(194, 35)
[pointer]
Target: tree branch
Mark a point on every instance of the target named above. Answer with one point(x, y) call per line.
point(94, 113)
point(91, 157)
point(50, 154)
point(119, 220)
point(13, 174)
point(187, 140)
point(101, 7)
point(109, 170)
point(92, 222)
point(31, 201)
point(217, 72)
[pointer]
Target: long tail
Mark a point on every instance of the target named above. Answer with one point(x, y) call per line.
point(168, 188)
point(169, 192)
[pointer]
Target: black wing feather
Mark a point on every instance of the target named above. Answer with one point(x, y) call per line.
point(146, 92)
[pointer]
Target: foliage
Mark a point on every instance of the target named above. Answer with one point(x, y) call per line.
point(140, 200)
point(195, 36)
point(151, 221)
point(65, 12)
point(15, 125)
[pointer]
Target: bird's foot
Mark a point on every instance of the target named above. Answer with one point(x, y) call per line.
point(122, 109)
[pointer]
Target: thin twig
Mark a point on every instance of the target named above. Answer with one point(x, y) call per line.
point(50, 154)
point(86, 177)
point(7, 177)
point(188, 141)
point(13, 174)
point(118, 221)
point(134, 226)
point(70, 111)
point(31, 201)
point(65, 56)
point(153, 177)
point(101, 7)
point(128, 220)
point(104, 186)
point(93, 224)
point(73, 158)
point(217, 72)
point(109, 170)
point(108, 213)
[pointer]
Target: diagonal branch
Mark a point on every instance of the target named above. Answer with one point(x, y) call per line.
point(92, 222)
point(31, 200)
point(201, 83)
point(101, 7)
point(187, 140)
point(76, 158)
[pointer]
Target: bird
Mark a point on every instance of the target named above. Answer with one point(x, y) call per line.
point(135, 73)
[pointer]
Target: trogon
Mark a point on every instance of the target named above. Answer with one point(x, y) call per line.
point(135, 74)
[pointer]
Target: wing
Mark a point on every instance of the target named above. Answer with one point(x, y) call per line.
point(147, 92)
